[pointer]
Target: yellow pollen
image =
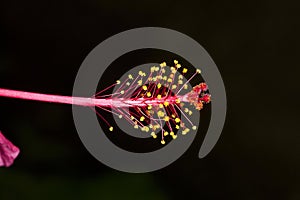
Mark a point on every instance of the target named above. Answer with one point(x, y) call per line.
point(184, 70)
point(111, 128)
point(178, 66)
point(163, 64)
point(144, 87)
point(167, 118)
point(177, 120)
point(153, 135)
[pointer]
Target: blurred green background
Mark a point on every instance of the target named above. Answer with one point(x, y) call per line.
point(255, 44)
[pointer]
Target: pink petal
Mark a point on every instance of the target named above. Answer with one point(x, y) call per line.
point(8, 152)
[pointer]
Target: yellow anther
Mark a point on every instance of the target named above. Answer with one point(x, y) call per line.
point(186, 110)
point(166, 133)
point(136, 126)
point(152, 69)
point(149, 107)
point(156, 69)
point(163, 64)
point(184, 132)
point(198, 71)
point(185, 86)
point(142, 118)
point(146, 128)
point(166, 118)
point(171, 76)
point(141, 73)
point(118, 82)
point(148, 94)
point(127, 83)
point(150, 79)
point(130, 76)
point(180, 77)
point(166, 103)
point(187, 130)
point(190, 112)
point(160, 105)
point(178, 66)
point(177, 100)
point(163, 142)
point(184, 70)
point(160, 113)
point(177, 120)
point(132, 117)
point(174, 87)
point(158, 85)
point(153, 135)
point(163, 71)
point(177, 127)
point(194, 127)
point(165, 78)
point(175, 62)
point(174, 137)
point(173, 115)
point(180, 82)
point(171, 133)
point(122, 92)
point(144, 87)
point(140, 82)
point(170, 80)
point(158, 96)
point(111, 128)
point(120, 116)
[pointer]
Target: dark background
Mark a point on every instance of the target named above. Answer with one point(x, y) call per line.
point(256, 48)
